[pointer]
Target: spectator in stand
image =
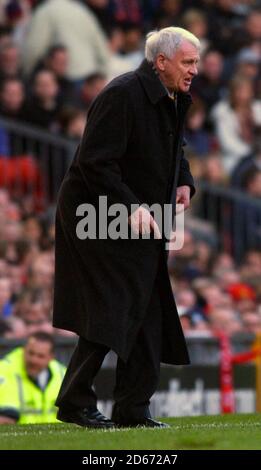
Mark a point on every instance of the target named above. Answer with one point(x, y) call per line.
point(11, 233)
point(12, 328)
point(168, 14)
point(194, 326)
point(226, 277)
point(126, 10)
point(209, 85)
point(252, 183)
point(225, 320)
point(252, 29)
point(49, 227)
point(198, 139)
point(4, 199)
point(243, 295)
point(17, 278)
point(252, 263)
point(246, 165)
point(90, 88)
point(33, 309)
point(5, 34)
point(248, 62)
point(32, 229)
point(118, 63)
point(186, 299)
point(213, 170)
point(226, 24)
point(196, 22)
point(42, 272)
point(211, 294)
point(3, 262)
point(73, 25)
point(12, 95)
point(4, 328)
point(42, 108)
point(252, 322)
point(149, 11)
point(132, 43)
point(56, 61)
point(9, 61)
point(72, 123)
point(236, 119)
point(17, 15)
point(222, 261)
point(30, 380)
point(13, 11)
point(178, 261)
point(102, 11)
point(187, 305)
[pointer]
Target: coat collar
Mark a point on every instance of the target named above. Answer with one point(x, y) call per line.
point(151, 82)
point(153, 86)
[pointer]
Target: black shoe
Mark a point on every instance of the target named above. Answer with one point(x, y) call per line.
point(88, 417)
point(131, 422)
point(146, 422)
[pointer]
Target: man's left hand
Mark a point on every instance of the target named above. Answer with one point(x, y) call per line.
point(183, 196)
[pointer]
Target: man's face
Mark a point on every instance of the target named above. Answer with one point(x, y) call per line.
point(59, 62)
point(177, 73)
point(37, 355)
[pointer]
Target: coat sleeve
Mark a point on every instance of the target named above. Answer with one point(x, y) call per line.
point(104, 145)
point(185, 176)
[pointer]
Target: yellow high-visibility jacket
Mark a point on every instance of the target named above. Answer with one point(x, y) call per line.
point(21, 398)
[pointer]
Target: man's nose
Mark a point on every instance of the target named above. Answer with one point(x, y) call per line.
point(194, 69)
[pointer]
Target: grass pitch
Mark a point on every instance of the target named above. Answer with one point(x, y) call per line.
point(201, 432)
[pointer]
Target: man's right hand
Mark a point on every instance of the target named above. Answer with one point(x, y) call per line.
point(141, 221)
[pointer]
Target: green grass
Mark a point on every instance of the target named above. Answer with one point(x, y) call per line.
point(201, 432)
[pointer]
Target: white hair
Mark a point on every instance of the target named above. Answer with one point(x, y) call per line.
point(166, 41)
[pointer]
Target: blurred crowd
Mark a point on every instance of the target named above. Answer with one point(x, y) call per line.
point(55, 57)
point(213, 293)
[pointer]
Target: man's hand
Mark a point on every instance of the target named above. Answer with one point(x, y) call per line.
point(183, 197)
point(6, 420)
point(141, 221)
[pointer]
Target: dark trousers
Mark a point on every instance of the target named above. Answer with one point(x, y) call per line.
point(136, 380)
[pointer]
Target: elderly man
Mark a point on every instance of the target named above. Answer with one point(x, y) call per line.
point(115, 293)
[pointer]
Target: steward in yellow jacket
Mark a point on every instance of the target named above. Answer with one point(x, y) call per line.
point(29, 382)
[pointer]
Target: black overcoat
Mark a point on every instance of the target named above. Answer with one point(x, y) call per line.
point(132, 152)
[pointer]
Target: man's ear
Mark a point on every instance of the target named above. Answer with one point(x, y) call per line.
point(160, 62)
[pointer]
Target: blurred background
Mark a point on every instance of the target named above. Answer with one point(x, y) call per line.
point(55, 57)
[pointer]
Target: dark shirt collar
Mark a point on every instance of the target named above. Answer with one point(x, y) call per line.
point(41, 381)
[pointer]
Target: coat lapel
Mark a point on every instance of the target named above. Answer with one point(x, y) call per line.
point(155, 89)
point(150, 82)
